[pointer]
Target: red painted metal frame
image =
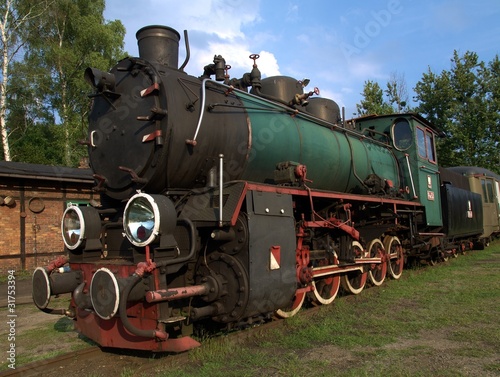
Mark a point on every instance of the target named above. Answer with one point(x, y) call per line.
point(111, 333)
point(358, 265)
point(143, 315)
point(294, 191)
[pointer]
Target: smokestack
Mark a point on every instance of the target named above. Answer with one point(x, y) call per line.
point(159, 44)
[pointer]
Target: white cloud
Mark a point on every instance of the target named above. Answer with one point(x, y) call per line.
point(236, 55)
point(223, 18)
point(297, 40)
point(268, 65)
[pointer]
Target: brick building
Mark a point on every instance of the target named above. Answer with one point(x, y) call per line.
point(32, 201)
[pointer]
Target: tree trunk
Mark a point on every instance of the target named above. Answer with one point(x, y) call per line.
point(3, 96)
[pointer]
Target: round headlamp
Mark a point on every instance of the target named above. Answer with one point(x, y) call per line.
point(78, 224)
point(145, 217)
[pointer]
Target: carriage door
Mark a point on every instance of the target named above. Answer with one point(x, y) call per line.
point(490, 205)
point(428, 176)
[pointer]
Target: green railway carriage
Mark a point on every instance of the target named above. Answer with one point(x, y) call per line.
point(487, 184)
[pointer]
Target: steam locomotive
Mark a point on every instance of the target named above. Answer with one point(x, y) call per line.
point(227, 202)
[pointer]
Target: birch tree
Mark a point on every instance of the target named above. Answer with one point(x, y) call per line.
point(70, 36)
point(15, 14)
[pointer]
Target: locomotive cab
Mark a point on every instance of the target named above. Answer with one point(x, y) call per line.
point(412, 138)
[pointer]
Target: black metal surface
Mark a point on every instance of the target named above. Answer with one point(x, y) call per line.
point(159, 44)
point(453, 177)
point(231, 286)
point(324, 108)
point(269, 203)
point(103, 293)
point(271, 289)
point(282, 88)
point(116, 134)
point(64, 282)
point(462, 212)
point(130, 152)
point(41, 288)
point(205, 206)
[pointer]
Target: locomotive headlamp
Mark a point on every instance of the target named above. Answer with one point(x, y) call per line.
point(99, 79)
point(79, 224)
point(146, 217)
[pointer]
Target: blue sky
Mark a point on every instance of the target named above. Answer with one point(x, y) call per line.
point(338, 45)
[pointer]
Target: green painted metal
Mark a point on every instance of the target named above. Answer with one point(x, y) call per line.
point(336, 159)
point(419, 175)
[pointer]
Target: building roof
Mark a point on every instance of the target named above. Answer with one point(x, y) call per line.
point(474, 170)
point(21, 170)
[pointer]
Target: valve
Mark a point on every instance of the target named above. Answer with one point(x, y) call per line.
point(301, 99)
point(255, 74)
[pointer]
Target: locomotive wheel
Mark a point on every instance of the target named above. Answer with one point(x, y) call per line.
point(463, 248)
point(294, 308)
point(445, 256)
point(354, 282)
point(395, 263)
point(326, 288)
point(377, 271)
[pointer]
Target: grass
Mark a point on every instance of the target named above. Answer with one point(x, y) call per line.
point(40, 341)
point(19, 274)
point(440, 321)
point(43, 342)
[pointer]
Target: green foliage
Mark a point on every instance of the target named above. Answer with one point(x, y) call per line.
point(439, 321)
point(49, 97)
point(373, 101)
point(464, 103)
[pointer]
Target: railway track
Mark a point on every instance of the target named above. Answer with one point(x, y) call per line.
point(54, 364)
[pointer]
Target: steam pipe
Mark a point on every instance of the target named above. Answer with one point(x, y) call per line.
point(188, 50)
point(192, 250)
point(122, 309)
point(177, 293)
point(202, 111)
point(411, 177)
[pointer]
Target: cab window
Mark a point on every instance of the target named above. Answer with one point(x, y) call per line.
point(429, 143)
point(425, 141)
point(401, 134)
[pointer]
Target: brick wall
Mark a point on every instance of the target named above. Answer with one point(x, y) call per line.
point(30, 229)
